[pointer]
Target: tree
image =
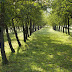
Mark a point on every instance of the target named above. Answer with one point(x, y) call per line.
point(9, 40)
point(16, 33)
point(61, 12)
point(2, 15)
point(21, 13)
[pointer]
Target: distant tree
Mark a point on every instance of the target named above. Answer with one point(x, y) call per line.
point(61, 12)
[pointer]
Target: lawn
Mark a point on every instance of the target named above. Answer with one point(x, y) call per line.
point(46, 50)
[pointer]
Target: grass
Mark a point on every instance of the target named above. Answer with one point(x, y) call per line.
point(45, 51)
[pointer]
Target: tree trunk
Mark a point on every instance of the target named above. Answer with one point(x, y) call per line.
point(30, 27)
point(4, 59)
point(26, 30)
point(68, 27)
point(33, 27)
point(24, 34)
point(63, 29)
point(59, 27)
point(54, 27)
point(9, 40)
point(38, 27)
point(65, 24)
point(16, 33)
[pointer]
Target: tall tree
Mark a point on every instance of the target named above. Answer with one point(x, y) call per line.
point(16, 33)
point(2, 15)
point(9, 40)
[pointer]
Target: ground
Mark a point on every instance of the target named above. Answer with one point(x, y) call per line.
point(46, 50)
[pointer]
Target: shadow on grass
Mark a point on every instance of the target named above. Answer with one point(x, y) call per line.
point(41, 54)
point(51, 54)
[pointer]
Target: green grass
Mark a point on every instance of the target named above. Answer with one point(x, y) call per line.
point(45, 51)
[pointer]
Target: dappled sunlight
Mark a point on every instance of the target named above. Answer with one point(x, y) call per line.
point(50, 56)
point(34, 52)
point(35, 67)
point(57, 48)
point(7, 49)
point(71, 59)
point(61, 53)
point(44, 51)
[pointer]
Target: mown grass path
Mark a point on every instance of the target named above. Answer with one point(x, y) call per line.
point(45, 51)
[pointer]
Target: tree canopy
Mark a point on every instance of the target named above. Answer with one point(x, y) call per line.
point(61, 10)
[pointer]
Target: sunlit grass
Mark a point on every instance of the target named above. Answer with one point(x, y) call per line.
point(45, 51)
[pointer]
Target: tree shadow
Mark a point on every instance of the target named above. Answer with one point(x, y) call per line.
point(41, 54)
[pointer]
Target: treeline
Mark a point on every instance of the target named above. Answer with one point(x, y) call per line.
point(22, 14)
point(61, 15)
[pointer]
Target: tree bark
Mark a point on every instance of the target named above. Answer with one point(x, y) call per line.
point(33, 27)
point(68, 27)
point(54, 27)
point(24, 34)
point(16, 33)
point(63, 29)
point(38, 27)
point(65, 24)
point(9, 40)
point(26, 30)
point(4, 59)
point(30, 27)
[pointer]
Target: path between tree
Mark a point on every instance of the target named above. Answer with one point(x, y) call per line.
point(45, 51)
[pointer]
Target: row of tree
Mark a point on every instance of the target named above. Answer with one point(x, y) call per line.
point(61, 14)
point(19, 13)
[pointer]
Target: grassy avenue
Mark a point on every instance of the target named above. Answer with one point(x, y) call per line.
point(46, 50)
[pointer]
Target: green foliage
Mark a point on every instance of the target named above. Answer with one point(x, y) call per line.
point(61, 11)
point(71, 21)
point(2, 1)
point(22, 11)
